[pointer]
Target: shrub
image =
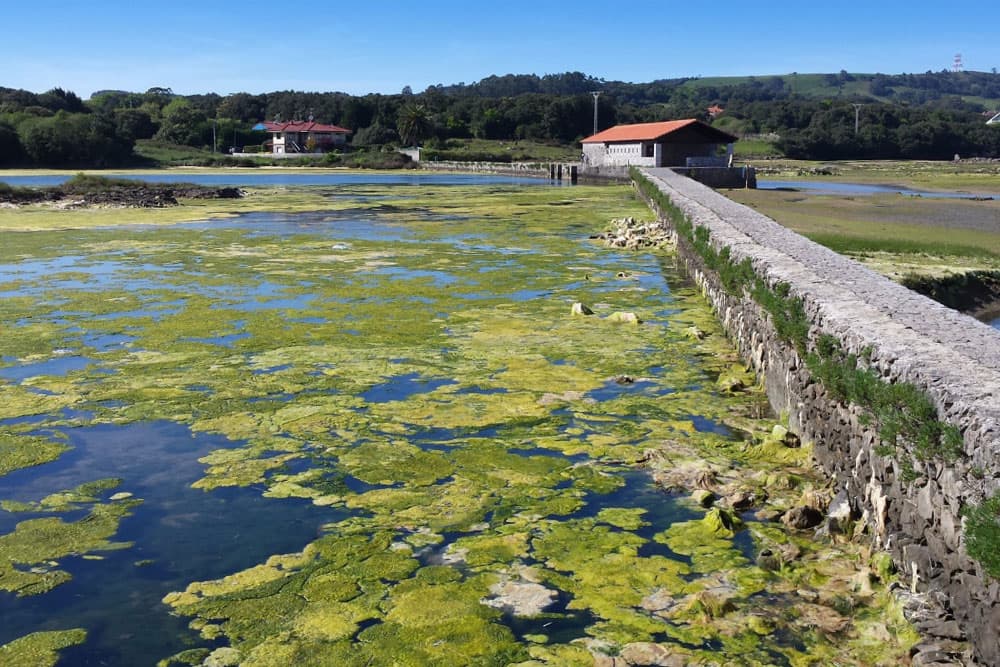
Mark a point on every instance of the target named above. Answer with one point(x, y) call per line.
point(982, 534)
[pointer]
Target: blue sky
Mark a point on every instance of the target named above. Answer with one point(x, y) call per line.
point(361, 47)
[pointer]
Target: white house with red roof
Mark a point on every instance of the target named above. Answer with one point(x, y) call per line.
point(302, 136)
point(672, 143)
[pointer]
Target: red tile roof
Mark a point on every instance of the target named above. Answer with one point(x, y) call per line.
point(653, 131)
point(301, 126)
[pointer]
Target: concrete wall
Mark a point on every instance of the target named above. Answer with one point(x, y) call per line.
point(616, 155)
point(953, 358)
point(644, 154)
point(721, 177)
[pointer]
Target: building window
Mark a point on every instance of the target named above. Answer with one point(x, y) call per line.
point(647, 150)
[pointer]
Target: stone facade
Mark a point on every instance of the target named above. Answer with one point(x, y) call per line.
point(953, 358)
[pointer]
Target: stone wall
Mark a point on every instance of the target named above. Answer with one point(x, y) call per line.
point(532, 169)
point(952, 357)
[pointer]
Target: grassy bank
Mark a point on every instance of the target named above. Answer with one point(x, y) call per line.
point(486, 150)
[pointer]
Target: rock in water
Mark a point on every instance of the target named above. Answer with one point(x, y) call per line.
point(801, 518)
point(624, 317)
point(703, 497)
point(694, 333)
point(520, 598)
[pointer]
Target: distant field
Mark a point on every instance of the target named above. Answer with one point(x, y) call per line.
point(164, 153)
point(819, 86)
point(802, 84)
point(755, 148)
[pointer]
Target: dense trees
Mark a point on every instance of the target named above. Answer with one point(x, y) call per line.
point(931, 115)
point(66, 139)
point(181, 122)
point(889, 131)
point(56, 129)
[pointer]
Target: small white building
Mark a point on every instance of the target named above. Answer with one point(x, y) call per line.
point(303, 136)
point(672, 143)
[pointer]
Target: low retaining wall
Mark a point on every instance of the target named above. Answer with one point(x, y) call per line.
point(715, 177)
point(905, 338)
point(532, 169)
point(722, 177)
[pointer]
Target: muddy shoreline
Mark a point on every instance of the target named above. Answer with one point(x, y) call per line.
point(119, 193)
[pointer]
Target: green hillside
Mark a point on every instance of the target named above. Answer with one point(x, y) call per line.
point(975, 88)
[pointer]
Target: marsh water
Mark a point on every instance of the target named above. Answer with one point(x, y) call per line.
point(839, 188)
point(372, 436)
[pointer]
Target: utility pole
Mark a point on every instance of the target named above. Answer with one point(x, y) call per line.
point(596, 94)
point(857, 116)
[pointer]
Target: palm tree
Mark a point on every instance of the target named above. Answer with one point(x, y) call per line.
point(414, 123)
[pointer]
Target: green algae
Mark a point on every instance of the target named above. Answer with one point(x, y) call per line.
point(626, 519)
point(307, 603)
point(194, 656)
point(64, 501)
point(40, 649)
point(24, 451)
point(29, 555)
point(513, 417)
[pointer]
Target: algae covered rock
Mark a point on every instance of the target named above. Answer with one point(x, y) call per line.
point(703, 497)
point(624, 317)
point(821, 617)
point(694, 333)
point(649, 653)
point(721, 523)
point(781, 434)
point(802, 518)
point(580, 309)
point(713, 603)
point(731, 383)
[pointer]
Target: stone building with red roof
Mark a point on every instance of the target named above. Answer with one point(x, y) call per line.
point(673, 143)
point(302, 136)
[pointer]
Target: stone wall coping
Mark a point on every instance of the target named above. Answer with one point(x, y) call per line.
point(953, 357)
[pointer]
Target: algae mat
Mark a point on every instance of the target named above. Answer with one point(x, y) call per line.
point(375, 435)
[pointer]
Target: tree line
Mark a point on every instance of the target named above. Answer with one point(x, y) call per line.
point(57, 128)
